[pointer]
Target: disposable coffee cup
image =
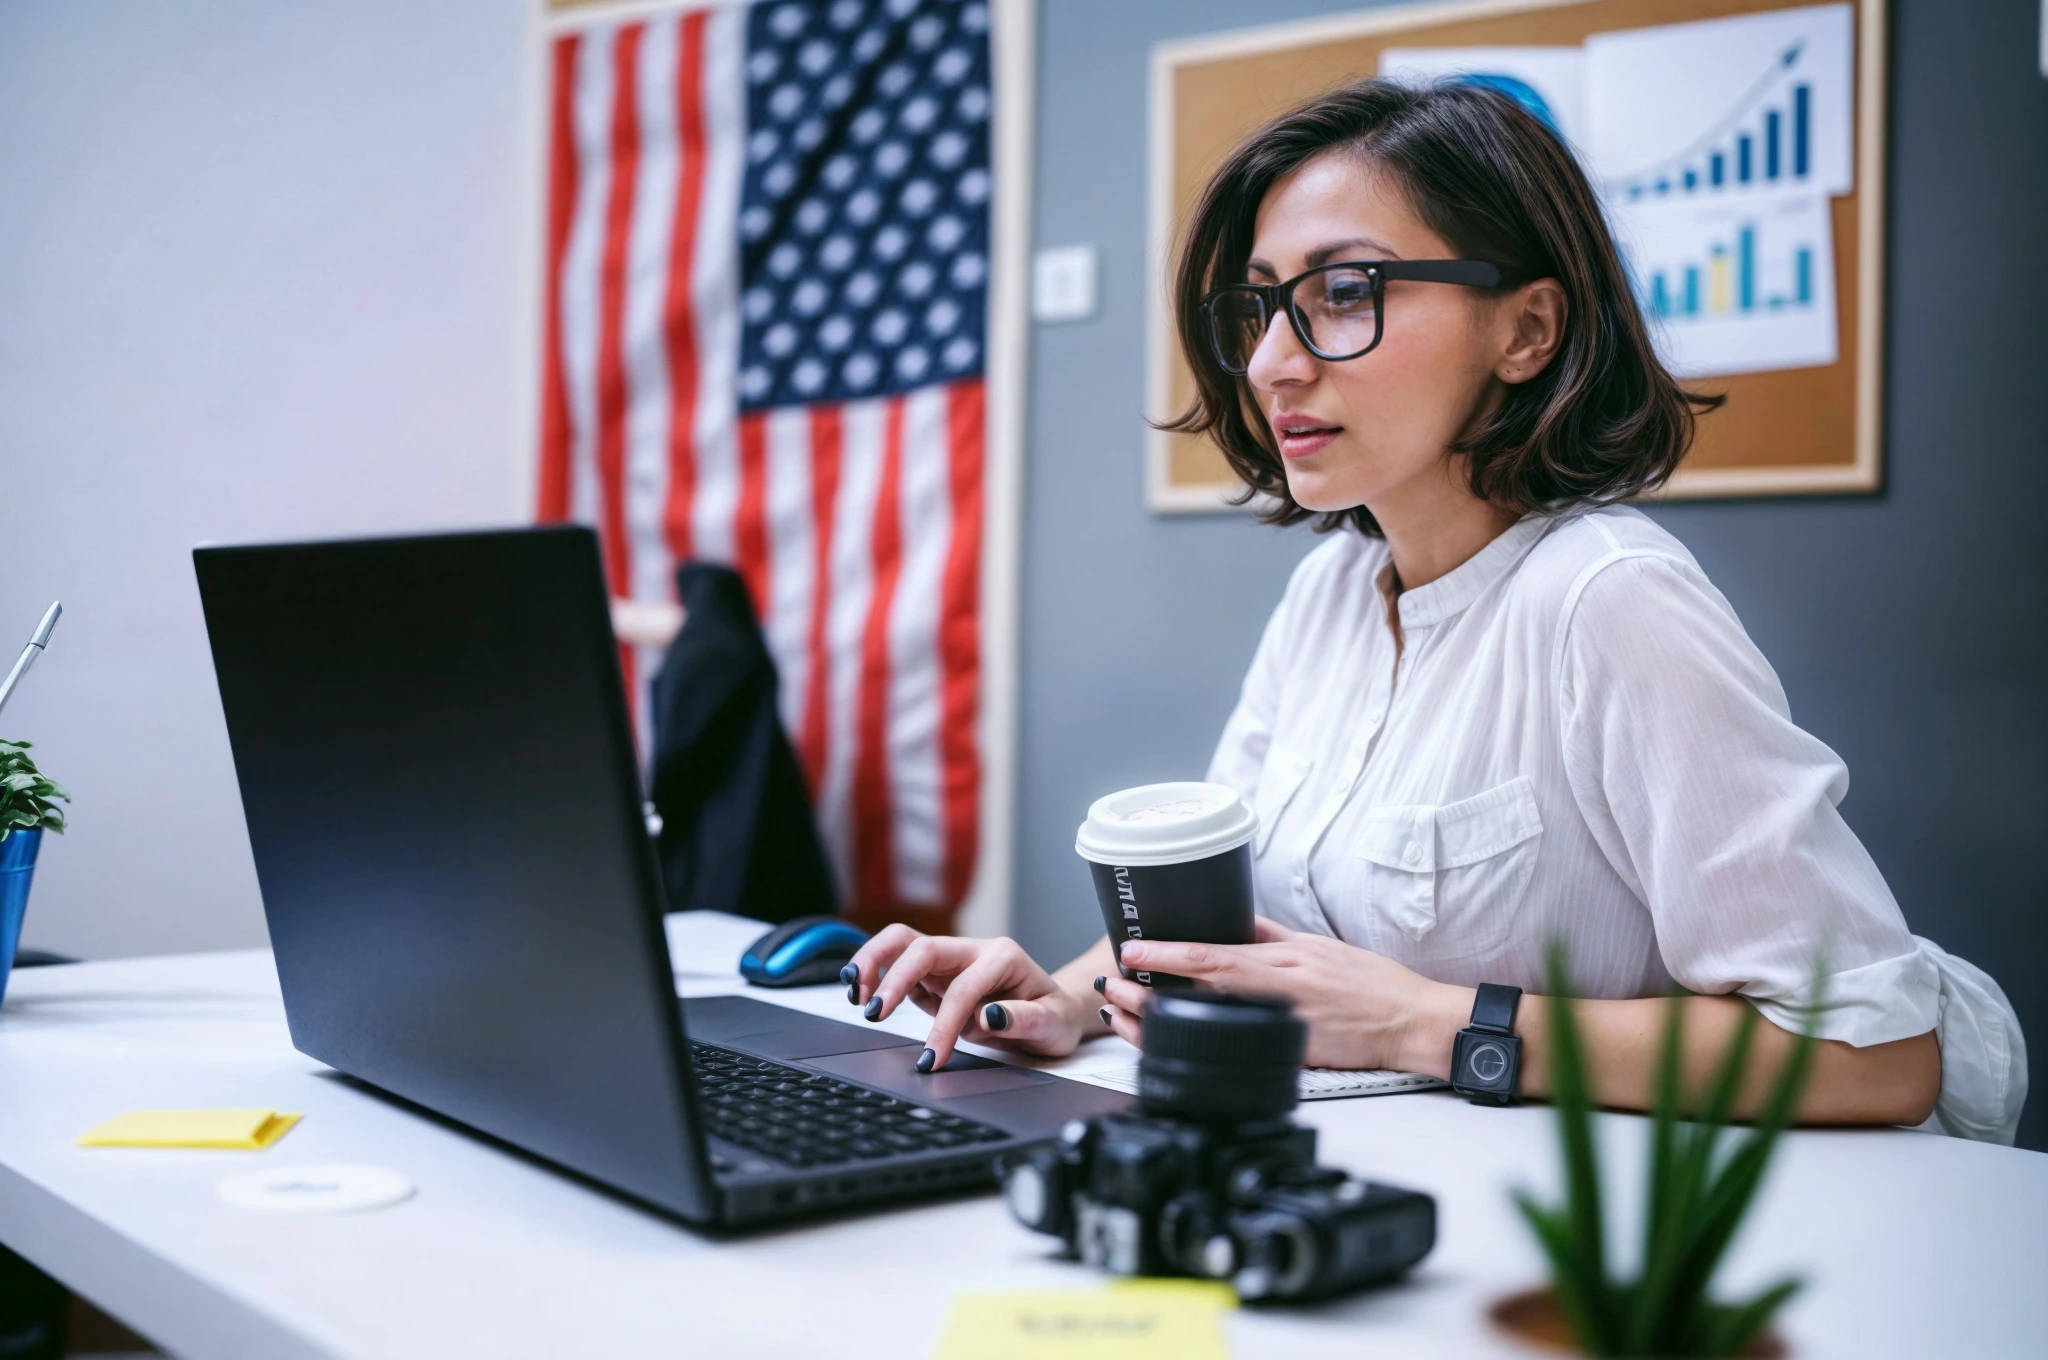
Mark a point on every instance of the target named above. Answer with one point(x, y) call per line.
point(1171, 862)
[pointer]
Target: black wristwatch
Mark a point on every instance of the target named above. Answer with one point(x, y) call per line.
point(1486, 1057)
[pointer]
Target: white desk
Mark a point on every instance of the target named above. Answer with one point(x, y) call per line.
point(1914, 1245)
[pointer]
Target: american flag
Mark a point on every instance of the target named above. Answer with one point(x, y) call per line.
point(766, 296)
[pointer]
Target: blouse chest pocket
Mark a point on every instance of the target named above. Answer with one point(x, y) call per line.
point(1457, 871)
point(1280, 778)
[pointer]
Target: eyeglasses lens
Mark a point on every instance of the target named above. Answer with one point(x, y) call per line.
point(1341, 310)
point(1237, 321)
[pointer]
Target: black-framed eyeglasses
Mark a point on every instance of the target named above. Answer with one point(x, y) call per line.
point(1337, 309)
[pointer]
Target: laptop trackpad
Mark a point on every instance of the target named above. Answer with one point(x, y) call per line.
point(891, 1070)
point(767, 1030)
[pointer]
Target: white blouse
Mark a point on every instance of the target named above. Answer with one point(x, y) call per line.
point(1571, 736)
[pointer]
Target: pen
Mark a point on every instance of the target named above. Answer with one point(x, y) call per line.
point(37, 641)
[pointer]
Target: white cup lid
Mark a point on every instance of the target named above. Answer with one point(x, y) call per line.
point(1165, 824)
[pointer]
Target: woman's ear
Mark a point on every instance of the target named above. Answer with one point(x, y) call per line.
point(1534, 316)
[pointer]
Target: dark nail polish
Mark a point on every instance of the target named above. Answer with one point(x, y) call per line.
point(995, 1017)
point(853, 993)
point(1104, 1013)
point(873, 1009)
point(850, 974)
point(925, 1060)
point(1101, 983)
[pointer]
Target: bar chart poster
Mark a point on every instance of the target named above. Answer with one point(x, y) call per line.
point(1735, 284)
point(1723, 106)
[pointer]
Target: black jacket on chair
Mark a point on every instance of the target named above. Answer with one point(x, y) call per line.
point(737, 832)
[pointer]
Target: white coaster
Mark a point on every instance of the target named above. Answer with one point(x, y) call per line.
point(325, 1189)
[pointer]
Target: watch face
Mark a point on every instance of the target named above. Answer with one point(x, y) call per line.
point(1483, 1064)
point(1486, 1063)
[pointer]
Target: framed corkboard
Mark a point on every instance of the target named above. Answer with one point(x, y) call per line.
point(1811, 429)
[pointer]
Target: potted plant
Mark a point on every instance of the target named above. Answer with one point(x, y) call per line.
point(28, 806)
point(1701, 1184)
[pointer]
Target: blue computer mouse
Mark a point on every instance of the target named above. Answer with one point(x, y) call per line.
point(797, 953)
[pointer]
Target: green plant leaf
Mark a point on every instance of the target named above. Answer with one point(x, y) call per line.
point(1574, 1292)
point(1734, 1327)
point(1728, 1198)
point(1582, 1204)
point(1670, 1194)
point(28, 798)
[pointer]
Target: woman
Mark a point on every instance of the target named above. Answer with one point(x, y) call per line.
point(1493, 709)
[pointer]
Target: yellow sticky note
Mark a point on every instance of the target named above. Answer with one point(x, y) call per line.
point(1137, 1320)
point(247, 1130)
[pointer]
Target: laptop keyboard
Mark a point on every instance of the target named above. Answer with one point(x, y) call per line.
point(805, 1118)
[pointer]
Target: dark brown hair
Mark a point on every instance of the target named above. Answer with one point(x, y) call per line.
point(1603, 421)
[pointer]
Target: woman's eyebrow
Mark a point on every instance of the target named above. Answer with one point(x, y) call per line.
point(1324, 254)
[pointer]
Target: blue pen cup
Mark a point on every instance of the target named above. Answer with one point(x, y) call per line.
point(17, 867)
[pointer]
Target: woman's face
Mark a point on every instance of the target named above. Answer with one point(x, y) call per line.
point(1370, 431)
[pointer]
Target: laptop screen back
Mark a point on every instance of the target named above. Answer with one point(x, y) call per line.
point(438, 778)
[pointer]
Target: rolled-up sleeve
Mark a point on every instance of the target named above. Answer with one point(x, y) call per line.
point(1721, 815)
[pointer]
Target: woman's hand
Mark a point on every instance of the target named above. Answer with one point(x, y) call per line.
point(1363, 1009)
point(987, 991)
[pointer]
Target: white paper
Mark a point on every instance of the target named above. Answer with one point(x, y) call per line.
point(1316, 1083)
point(1687, 259)
point(1556, 75)
point(1670, 109)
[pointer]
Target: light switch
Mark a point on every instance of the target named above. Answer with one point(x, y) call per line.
point(1063, 284)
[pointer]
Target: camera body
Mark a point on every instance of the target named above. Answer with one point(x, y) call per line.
point(1209, 1177)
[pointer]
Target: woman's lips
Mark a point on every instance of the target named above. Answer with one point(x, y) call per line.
point(1301, 441)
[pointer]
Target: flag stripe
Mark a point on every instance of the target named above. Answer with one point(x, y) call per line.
point(683, 369)
point(960, 636)
point(875, 874)
point(554, 436)
point(582, 266)
point(828, 429)
point(611, 366)
point(714, 284)
point(917, 821)
point(864, 441)
point(793, 567)
point(750, 514)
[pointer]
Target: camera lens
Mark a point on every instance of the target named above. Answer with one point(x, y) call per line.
point(1215, 1056)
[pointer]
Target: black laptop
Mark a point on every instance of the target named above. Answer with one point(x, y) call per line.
point(440, 785)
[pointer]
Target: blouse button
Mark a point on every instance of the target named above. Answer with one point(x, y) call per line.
point(1412, 853)
point(1300, 883)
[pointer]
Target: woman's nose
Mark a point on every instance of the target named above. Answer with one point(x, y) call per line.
point(1281, 359)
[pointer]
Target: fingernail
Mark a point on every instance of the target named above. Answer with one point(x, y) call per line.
point(850, 974)
point(925, 1060)
point(1104, 1013)
point(995, 1017)
point(853, 993)
point(1101, 983)
point(873, 1010)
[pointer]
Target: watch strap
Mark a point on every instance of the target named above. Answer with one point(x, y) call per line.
point(1494, 1008)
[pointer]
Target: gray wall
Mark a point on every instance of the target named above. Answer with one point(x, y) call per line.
point(1907, 627)
point(260, 270)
